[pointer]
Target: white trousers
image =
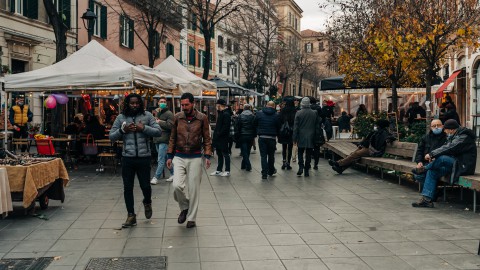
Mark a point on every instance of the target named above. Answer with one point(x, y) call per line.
point(187, 177)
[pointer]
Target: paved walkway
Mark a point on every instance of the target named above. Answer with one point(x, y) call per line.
point(326, 221)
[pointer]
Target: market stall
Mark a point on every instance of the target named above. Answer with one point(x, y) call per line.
point(32, 178)
point(87, 72)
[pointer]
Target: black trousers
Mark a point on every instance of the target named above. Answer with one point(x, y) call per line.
point(267, 154)
point(22, 133)
point(308, 157)
point(316, 154)
point(246, 146)
point(287, 152)
point(141, 167)
point(223, 154)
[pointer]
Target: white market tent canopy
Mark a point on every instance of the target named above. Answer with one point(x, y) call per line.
point(183, 86)
point(171, 66)
point(91, 68)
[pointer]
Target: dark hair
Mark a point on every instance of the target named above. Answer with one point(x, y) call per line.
point(162, 97)
point(126, 108)
point(188, 96)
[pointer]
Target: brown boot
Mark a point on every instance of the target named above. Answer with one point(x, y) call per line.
point(131, 221)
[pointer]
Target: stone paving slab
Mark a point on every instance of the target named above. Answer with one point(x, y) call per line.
point(326, 221)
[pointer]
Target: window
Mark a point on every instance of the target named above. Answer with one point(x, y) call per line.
point(320, 46)
point(201, 58)
point(64, 10)
point(220, 68)
point(308, 47)
point(27, 8)
point(289, 18)
point(181, 53)
point(156, 42)
point(100, 29)
point(191, 56)
point(170, 50)
point(296, 24)
point(229, 45)
point(126, 31)
point(193, 22)
point(235, 71)
point(236, 48)
point(228, 70)
point(220, 42)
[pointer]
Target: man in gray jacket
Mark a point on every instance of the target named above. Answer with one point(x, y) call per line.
point(305, 128)
point(135, 126)
point(165, 120)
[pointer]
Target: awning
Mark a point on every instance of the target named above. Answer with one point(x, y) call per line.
point(450, 79)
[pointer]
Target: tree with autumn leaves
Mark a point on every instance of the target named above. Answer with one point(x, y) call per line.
point(401, 43)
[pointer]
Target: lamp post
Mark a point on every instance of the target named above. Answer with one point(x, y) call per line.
point(231, 64)
point(89, 18)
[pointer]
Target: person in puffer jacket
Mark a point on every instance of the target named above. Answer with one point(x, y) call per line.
point(135, 126)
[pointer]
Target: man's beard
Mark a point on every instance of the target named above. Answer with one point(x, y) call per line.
point(188, 111)
point(132, 112)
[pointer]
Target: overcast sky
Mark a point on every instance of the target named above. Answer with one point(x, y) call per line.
point(313, 17)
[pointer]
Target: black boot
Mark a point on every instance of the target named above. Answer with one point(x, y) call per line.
point(300, 171)
point(288, 166)
point(284, 166)
point(307, 173)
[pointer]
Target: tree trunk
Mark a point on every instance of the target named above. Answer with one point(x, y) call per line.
point(300, 84)
point(284, 90)
point(60, 31)
point(151, 48)
point(206, 68)
point(375, 100)
point(394, 97)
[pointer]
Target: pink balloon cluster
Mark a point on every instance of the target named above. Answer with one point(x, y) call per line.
point(52, 100)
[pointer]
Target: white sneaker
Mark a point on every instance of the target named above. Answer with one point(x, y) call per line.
point(225, 174)
point(216, 173)
point(170, 179)
point(154, 181)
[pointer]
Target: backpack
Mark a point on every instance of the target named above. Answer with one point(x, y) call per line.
point(286, 130)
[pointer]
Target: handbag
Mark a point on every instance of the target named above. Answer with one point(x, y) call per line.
point(90, 149)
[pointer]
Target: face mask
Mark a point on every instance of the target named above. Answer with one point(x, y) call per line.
point(437, 131)
point(20, 103)
point(449, 136)
point(375, 128)
point(163, 105)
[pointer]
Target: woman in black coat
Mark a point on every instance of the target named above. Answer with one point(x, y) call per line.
point(287, 118)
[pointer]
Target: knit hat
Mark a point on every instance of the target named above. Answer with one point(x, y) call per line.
point(382, 123)
point(451, 124)
point(305, 102)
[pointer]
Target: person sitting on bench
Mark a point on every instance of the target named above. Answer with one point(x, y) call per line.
point(458, 156)
point(372, 146)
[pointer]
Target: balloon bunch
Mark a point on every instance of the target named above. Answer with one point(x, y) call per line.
point(52, 100)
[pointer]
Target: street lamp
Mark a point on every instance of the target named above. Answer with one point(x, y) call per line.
point(89, 18)
point(231, 64)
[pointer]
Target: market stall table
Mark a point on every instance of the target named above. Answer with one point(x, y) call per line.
point(31, 179)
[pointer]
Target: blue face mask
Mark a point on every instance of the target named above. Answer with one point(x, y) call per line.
point(449, 136)
point(437, 131)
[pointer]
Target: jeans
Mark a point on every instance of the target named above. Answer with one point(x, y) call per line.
point(267, 154)
point(141, 167)
point(439, 167)
point(223, 154)
point(287, 152)
point(162, 156)
point(308, 157)
point(245, 148)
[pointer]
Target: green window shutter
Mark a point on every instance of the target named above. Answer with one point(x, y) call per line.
point(122, 21)
point(30, 9)
point(191, 56)
point(91, 4)
point(157, 44)
point(131, 34)
point(66, 12)
point(211, 60)
point(170, 50)
point(103, 22)
point(181, 53)
point(12, 5)
point(200, 58)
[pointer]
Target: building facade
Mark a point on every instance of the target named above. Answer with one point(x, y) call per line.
point(319, 61)
point(290, 15)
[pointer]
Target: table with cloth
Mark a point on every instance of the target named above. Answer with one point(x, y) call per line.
point(5, 196)
point(28, 180)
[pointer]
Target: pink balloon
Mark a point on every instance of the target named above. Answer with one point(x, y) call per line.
point(50, 102)
point(61, 98)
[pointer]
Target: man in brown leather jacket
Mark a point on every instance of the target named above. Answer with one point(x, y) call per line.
point(189, 141)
